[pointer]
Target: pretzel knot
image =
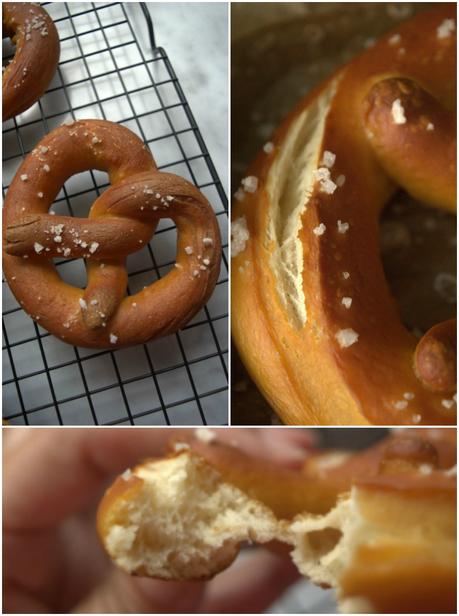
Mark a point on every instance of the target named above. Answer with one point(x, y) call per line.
point(121, 221)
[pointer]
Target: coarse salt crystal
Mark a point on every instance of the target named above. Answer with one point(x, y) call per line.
point(446, 28)
point(346, 337)
point(113, 338)
point(38, 247)
point(83, 304)
point(400, 405)
point(268, 147)
point(342, 226)
point(189, 250)
point(398, 112)
point(347, 302)
point(320, 229)
point(239, 236)
point(93, 247)
point(205, 435)
point(250, 183)
point(24, 177)
point(328, 159)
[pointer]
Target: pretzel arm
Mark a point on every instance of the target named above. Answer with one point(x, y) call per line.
point(405, 124)
point(56, 236)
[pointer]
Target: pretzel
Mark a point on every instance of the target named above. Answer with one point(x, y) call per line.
point(121, 221)
point(312, 316)
point(379, 526)
point(28, 75)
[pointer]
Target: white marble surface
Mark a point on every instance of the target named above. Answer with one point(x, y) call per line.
point(195, 37)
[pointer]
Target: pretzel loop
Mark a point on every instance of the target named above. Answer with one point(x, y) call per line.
point(120, 221)
point(312, 314)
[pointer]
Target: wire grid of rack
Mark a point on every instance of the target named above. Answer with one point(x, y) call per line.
point(179, 380)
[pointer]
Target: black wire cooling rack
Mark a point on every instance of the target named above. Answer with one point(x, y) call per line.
point(179, 380)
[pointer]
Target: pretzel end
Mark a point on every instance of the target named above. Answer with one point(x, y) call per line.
point(435, 358)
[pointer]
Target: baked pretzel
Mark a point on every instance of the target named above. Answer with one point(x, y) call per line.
point(378, 526)
point(28, 75)
point(121, 221)
point(312, 315)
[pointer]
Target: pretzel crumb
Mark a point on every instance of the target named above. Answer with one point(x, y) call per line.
point(347, 302)
point(400, 405)
point(113, 338)
point(24, 177)
point(346, 337)
point(398, 112)
point(342, 226)
point(446, 28)
point(320, 229)
point(188, 250)
point(38, 248)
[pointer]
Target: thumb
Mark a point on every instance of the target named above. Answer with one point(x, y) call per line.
point(122, 594)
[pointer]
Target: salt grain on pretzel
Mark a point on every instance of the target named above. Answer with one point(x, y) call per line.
point(120, 221)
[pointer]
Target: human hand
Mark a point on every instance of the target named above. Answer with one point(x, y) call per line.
point(53, 561)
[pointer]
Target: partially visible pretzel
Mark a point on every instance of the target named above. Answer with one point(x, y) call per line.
point(28, 75)
point(312, 315)
point(121, 221)
point(379, 525)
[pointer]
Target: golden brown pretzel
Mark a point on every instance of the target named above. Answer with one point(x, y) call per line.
point(387, 514)
point(312, 315)
point(122, 220)
point(37, 54)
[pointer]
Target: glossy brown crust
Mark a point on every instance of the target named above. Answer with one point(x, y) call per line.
point(394, 464)
point(302, 371)
point(396, 580)
point(37, 54)
point(121, 221)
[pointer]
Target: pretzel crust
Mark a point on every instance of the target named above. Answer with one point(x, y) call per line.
point(120, 221)
point(26, 78)
point(312, 316)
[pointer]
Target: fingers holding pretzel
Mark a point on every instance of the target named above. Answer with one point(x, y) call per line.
point(121, 221)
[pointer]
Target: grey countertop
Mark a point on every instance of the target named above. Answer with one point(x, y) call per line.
point(195, 37)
